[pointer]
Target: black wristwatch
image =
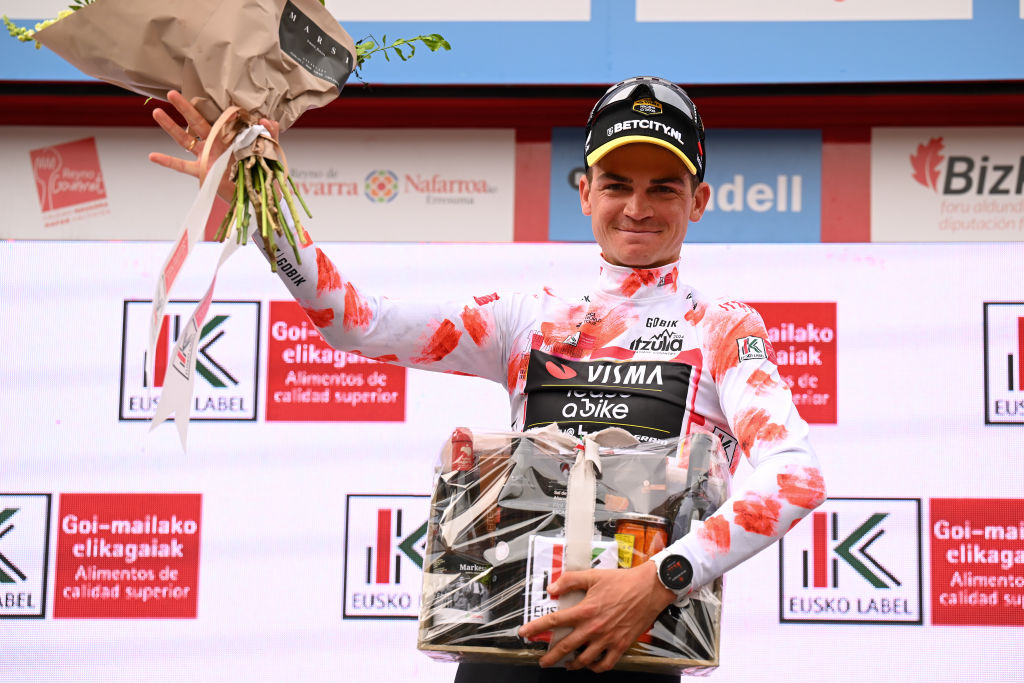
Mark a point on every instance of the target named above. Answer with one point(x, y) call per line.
point(675, 573)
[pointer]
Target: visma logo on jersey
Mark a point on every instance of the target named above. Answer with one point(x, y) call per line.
point(385, 539)
point(227, 360)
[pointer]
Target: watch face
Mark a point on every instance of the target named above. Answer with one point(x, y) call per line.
point(675, 572)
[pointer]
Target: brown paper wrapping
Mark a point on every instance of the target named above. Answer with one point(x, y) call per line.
point(259, 55)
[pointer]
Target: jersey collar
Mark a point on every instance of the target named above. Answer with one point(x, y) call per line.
point(638, 283)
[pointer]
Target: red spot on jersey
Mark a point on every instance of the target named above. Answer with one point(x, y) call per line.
point(321, 317)
point(772, 432)
point(517, 369)
point(723, 327)
point(456, 372)
point(559, 371)
point(475, 324)
point(386, 358)
point(714, 535)
point(327, 277)
point(486, 299)
point(637, 279)
point(357, 311)
point(442, 342)
point(695, 315)
point(803, 486)
point(752, 425)
point(760, 381)
point(672, 279)
point(758, 514)
point(547, 290)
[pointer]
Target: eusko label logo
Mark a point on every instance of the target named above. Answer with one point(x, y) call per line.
point(385, 541)
point(1004, 363)
point(24, 549)
point(227, 361)
point(69, 182)
point(381, 186)
point(853, 560)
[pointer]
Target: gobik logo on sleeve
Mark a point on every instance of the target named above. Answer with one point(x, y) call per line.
point(1004, 363)
point(127, 555)
point(385, 540)
point(24, 548)
point(853, 560)
point(227, 359)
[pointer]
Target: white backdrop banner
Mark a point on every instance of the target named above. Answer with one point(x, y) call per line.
point(414, 185)
point(285, 545)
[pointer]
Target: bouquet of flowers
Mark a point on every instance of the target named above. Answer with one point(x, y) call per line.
point(237, 62)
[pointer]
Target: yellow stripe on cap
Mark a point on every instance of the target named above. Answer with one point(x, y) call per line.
point(596, 155)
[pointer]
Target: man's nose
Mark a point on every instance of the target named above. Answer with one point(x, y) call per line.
point(638, 206)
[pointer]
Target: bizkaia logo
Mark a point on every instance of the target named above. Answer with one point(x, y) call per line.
point(853, 560)
point(960, 184)
point(69, 181)
point(1004, 363)
point(977, 560)
point(385, 541)
point(962, 174)
point(803, 336)
point(128, 555)
point(24, 549)
point(227, 359)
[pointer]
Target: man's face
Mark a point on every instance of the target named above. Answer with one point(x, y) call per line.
point(640, 203)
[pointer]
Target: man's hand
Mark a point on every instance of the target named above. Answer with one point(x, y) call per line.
point(194, 138)
point(620, 605)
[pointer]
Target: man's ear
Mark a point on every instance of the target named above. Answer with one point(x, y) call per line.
point(585, 194)
point(701, 197)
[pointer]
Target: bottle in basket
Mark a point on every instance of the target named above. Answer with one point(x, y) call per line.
point(461, 603)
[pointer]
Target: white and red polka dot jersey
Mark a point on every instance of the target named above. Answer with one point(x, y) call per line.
point(640, 350)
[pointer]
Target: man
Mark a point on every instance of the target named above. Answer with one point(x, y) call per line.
point(644, 153)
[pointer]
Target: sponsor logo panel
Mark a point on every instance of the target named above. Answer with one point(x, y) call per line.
point(308, 381)
point(803, 10)
point(448, 186)
point(954, 184)
point(853, 560)
point(127, 555)
point(385, 542)
point(227, 362)
point(24, 550)
point(647, 398)
point(69, 182)
point(765, 187)
point(1004, 363)
point(804, 338)
point(977, 561)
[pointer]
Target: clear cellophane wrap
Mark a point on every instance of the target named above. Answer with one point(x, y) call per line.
point(496, 536)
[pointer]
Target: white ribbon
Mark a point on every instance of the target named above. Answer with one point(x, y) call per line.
point(178, 387)
point(580, 501)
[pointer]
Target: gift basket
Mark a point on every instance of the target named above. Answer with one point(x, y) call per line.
point(505, 519)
